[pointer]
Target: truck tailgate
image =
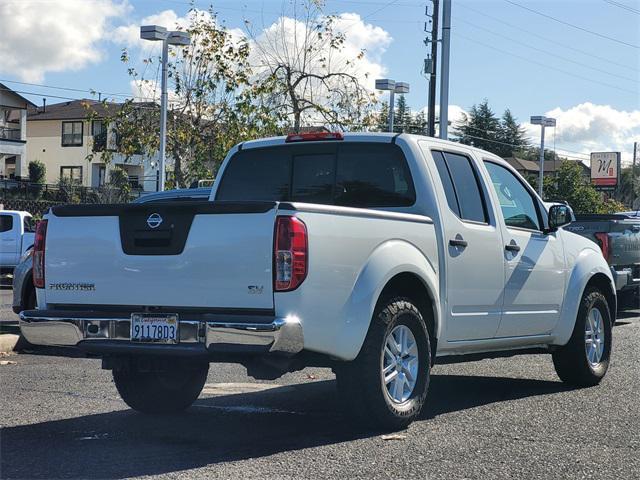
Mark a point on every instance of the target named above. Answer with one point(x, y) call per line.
point(182, 254)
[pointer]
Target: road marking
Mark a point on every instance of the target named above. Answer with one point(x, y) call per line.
point(248, 409)
point(239, 388)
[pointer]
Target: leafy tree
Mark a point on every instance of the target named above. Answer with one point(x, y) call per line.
point(310, 77)
point(419, 124)
point(214, 104)
point(511, 135)
point(402, 116)
point(480, 128)
point(571, 186)
point(629, 188)
point(37, 175)
point(382, 118)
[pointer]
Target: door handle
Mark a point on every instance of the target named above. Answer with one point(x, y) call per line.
point(458, 242)
point(512, 247)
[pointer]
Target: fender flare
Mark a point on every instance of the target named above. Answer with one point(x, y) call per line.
point(387, 260)
point(588, 263)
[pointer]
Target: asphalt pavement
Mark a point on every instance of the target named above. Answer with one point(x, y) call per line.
point(510, 418)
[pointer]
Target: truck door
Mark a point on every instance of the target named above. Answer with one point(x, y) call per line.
point(8, 240)
point(534, 261)
point(473, 250)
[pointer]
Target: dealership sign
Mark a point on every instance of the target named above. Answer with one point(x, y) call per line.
point(605, 169)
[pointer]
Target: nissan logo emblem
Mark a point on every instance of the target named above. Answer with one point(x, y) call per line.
point(154, 220)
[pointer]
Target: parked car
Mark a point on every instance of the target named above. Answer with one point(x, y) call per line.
point(24, 293)
point(16, 237)
point(372, 254)
point(618, 236)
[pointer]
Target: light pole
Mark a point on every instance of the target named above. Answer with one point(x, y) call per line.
point(157, 33)
point(393, 87)
point(543, 122)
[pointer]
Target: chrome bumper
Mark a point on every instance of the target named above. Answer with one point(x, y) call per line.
point(282, 335)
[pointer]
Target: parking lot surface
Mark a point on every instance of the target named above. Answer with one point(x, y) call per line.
point(504, 418)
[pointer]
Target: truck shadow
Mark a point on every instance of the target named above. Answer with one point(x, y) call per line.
point(219, 429)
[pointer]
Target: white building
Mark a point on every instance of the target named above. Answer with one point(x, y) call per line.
point(72, 147)
point(13, 133)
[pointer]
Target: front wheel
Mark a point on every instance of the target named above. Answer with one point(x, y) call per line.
point(584, 361)
point(386, 385)
point(165, 391)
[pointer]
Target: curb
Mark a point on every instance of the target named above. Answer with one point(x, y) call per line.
point(8, 342)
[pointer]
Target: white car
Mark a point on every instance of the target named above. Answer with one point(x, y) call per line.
point(16, 237)
point(372, 254)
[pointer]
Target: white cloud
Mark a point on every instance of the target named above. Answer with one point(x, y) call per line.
point(589, 128)
point(41, 37)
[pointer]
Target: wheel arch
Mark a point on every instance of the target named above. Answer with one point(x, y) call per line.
point(589, 269)
point(394, 264)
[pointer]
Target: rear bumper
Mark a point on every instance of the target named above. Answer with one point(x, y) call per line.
point(103, 335)
point(625, 278)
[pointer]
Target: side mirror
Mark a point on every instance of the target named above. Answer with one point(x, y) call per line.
point(559, 216)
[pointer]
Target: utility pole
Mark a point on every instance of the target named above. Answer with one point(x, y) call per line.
point(633, 176)
point(543, 122)
point(444, 74)
point(431, 118)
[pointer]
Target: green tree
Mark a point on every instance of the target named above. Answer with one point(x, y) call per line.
point(628, 191)
point(570, 185)
point(382, 118)
point(511, 136)
point(37, 175)
point(480, 128)
point(215, 103)
point(402, 116)
point(419, 124)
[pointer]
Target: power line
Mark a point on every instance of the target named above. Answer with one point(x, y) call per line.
point(518, 146)
point(621, 42)
point(69, 89)
point(635, 93)
point(623, 6)
point(566, 59)
point(555, 42)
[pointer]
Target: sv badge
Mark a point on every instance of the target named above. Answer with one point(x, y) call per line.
point(255, 289)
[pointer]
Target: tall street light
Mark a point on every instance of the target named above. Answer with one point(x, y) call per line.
point(393, 87)
point(543, 122)
point(157, 33)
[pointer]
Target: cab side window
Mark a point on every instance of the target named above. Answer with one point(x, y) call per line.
point(516, 202)
point(461, 186)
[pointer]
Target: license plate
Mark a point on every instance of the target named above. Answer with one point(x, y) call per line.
point(154, 328)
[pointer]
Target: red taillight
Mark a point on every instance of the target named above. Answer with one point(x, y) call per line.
point(290, 256)
point(311, 137)
point(38, 254)
point(603, 241)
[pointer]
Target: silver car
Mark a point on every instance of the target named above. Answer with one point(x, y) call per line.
point(24, 294)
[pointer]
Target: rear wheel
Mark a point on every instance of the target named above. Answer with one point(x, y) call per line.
point(165, 391)
point(386, 385)
point(584, 360)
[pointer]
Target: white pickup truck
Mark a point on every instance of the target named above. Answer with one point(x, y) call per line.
point(372, 254)
point(16, 237)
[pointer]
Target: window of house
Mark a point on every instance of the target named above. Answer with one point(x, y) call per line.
point(516, 202)
point(461, 186)
point(99, 134)
point(72, 134)
point(6, 223)
point(355, 175)
point(73, 174)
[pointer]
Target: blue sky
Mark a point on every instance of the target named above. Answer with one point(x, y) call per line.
point(512, 56)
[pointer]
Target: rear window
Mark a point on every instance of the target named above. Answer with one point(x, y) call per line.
point(350, 174)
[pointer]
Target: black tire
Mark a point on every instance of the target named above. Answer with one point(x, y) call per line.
point(360, 382)
point(571, 362)
point(161, 391)
point(30, 303)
